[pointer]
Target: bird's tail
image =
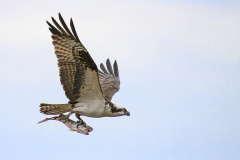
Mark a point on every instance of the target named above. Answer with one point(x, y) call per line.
point(54, 109)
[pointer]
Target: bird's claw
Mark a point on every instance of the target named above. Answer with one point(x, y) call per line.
point(81, 122)
point(63, 117)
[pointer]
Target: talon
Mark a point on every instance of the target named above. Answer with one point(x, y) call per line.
point(63, 117)
point(80, 121)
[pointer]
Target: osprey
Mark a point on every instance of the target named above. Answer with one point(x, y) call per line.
point(88, 89)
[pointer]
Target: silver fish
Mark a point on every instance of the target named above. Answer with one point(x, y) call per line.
point(72, 125)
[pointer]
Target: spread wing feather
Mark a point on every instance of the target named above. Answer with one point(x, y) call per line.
point(109, 81)
point(115, 66)
point(74, 61)
point(109, 67)
point(103, 68)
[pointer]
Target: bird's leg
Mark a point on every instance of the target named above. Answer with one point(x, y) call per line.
point(80, 121)
point(65, 117)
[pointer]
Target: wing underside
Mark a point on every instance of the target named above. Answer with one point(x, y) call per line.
point(109, 79)
point(77, 69)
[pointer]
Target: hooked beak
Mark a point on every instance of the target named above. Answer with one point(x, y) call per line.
point(127, 113)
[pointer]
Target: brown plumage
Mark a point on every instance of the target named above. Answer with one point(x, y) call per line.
point(109, 81)
point(54, 109)
point(73, 59)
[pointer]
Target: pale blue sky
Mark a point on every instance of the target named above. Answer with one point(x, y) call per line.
point(179, 66)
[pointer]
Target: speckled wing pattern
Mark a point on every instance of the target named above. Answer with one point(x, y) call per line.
point(109, 79)
point(74, 61)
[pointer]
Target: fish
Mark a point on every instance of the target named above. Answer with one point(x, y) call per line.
point(79, 127)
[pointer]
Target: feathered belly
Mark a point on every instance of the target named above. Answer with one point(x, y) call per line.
point(94, 108)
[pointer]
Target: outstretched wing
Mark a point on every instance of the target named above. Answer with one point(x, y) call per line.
point(109, 79)
point(78, 71)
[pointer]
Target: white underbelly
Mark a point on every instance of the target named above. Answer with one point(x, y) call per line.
point(91, 108)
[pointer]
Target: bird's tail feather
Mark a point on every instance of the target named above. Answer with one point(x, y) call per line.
point(54, 109)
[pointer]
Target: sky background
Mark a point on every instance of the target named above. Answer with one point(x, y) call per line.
point(179, 66)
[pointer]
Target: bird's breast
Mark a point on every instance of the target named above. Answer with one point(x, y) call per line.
point(91, 108)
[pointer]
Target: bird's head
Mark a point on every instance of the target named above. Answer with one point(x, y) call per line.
point(115, 111)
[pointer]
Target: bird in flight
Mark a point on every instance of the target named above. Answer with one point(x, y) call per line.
point(88, 89)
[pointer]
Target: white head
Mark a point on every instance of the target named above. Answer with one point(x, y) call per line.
point(115, 111)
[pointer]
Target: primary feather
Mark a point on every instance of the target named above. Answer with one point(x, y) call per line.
point(109, 81)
